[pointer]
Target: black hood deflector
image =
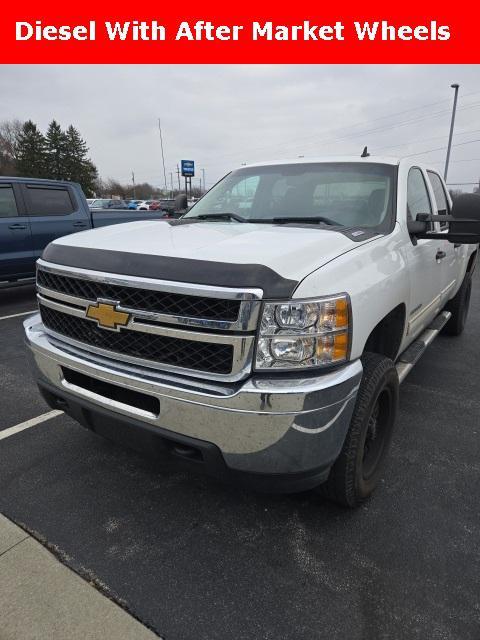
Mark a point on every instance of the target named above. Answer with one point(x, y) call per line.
point(221, 274)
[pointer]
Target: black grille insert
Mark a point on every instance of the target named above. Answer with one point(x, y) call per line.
point(188, 354)
point(142, 299)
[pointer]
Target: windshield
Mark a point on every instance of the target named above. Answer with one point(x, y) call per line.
point(346, 194)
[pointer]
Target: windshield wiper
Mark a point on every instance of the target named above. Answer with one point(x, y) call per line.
point(306, 219)
point(283, 220)
point(220, 216)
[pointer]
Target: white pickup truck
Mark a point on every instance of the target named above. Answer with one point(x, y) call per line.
point(263, 336)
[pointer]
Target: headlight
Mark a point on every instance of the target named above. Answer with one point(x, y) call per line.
point(302, 334)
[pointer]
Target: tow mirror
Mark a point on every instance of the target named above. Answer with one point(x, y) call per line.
point(416, 227)
point(463, 223)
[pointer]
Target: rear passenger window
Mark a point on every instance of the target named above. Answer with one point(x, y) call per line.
point(418, 200)
point(45, 201)
point(440, 197)
point(8, 206)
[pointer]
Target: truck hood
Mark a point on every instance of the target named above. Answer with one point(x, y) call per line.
point(290, 252)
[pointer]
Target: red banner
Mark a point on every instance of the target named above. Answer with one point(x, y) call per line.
point(247, 32)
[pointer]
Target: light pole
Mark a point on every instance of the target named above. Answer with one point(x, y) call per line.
point(452, 124)
point(163, 157)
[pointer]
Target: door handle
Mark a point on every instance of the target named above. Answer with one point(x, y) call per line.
point(79, 224)
point(457, 245)
point(17, 226)
point(440, 255)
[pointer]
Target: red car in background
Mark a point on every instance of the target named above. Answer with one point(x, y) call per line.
point(167, 206)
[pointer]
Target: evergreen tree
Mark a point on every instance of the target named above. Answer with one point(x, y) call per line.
point(30, 151)
point(60, 155)
point(88, 177)
point(77, 166)
point(56, 149)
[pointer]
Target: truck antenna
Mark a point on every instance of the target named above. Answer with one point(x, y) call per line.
point(365, 153)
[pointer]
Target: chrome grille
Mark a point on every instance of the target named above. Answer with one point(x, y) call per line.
point(198, 356)
point(142, 299)
point(216, 341)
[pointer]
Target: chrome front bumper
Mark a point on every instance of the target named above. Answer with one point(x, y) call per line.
point(276, 425)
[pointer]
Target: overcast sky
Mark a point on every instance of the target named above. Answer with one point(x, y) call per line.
point(224, 115)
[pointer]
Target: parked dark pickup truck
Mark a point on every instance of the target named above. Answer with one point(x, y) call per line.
point(34, 212)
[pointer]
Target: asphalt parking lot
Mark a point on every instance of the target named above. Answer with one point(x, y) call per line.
point(194, 559)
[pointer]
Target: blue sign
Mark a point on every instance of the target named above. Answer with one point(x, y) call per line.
point(188, 168)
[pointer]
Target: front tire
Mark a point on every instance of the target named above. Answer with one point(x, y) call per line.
point(356, 472)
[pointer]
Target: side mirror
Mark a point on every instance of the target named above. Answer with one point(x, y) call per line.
point(417, 227)
point(465, 221)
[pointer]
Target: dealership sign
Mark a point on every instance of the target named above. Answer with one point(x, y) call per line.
point(188, 168)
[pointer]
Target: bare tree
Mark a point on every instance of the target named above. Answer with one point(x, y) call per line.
point(9, 134)
point(111, 187)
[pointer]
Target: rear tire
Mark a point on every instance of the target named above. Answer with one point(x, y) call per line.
point(356, 472)
point(458, 306)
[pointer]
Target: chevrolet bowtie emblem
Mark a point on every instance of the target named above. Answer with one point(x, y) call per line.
point(107, 316)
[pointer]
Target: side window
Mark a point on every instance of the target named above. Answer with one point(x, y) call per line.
point(440, 197)
point(8, 205)
point(48, 201)
point(418, 200)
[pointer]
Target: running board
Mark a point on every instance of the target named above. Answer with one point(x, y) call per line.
point(409, 358)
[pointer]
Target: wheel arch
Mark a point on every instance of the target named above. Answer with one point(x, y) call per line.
point(472, 262)
point(386, 337)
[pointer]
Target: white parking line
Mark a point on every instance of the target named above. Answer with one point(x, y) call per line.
point(6, 433)
point(17, 315)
